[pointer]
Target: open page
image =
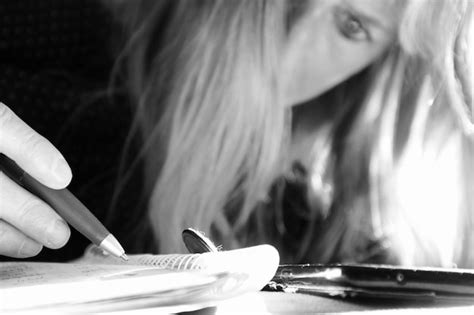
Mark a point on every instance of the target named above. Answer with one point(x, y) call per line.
point(257, 264)
point(109, 283)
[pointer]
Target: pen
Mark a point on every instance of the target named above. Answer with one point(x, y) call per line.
point(67, 206)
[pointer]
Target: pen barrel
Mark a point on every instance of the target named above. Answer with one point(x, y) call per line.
point(70, 209)
point(62, 201)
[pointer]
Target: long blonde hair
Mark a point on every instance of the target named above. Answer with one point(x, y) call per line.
point(402, 169)
point(204, 77)
point(212, 91)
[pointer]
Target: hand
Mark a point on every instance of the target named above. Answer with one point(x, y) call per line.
point(26, 222)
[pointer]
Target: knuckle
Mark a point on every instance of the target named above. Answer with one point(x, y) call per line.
point(33, 144)
point(16, 244)
point(6, 115)
point(28, 141)
point(29, 213)
point(7, 195)
point(3, 232)
point(28, 249)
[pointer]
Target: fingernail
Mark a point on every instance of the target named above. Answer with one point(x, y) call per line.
point(57, 234)
point(61, 171)
point(28, 249)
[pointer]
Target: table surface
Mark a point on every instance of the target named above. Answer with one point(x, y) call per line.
point(288, 303)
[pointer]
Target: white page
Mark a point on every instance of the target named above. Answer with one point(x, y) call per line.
point(13, 274)
point(98, 277)
point(255, 265)
point(26, 285)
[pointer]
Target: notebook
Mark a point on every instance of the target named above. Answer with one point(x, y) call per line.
point(99, 282)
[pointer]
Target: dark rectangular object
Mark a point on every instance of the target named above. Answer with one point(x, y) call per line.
point(377, 281)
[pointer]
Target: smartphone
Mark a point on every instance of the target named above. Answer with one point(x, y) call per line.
point(378, 281)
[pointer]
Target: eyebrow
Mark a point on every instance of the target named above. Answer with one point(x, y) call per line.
point(367, 17)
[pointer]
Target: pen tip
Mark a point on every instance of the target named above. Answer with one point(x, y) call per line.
point(124, 257)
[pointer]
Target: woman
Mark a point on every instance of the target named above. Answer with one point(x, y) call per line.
point(216, 84)
point(237, 67)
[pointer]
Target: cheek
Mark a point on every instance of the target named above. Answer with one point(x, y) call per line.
point(317, 61)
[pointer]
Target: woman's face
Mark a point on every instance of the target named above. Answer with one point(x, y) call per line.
point(334, 40)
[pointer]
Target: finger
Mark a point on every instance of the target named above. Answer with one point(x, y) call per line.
point(31, 216)
point(36, 155)
point(15, 244)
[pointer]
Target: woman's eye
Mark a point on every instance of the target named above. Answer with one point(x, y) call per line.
point(351, 27)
